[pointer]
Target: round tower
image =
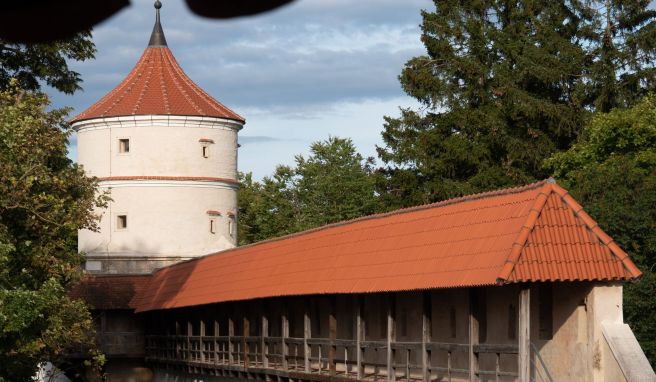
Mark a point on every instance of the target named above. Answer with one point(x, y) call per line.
point(167, 153)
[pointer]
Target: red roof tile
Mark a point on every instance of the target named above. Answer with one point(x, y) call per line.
point(532, 233)
point(157, 85)
point(109, 291)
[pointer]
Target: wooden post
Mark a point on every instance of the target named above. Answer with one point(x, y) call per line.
point(264, 345)
point(245, 343)
point(524, 334)
point(189, 334)
point(307, 334)
point(216, 342)
point(201, 343)
point(473, 337)
point(284, 335)
point(332, 334)
point(391, 337)
point(427, 311)
point(178, 342)
point(359, 336)
point(231, 348)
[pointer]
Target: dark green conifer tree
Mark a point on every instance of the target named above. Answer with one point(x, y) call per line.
point(620, 40)
point(504, 85)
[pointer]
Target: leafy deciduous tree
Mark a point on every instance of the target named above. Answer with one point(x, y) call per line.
point(44, 200)
point(612, 172)
point(333, 183)
point(30, 64)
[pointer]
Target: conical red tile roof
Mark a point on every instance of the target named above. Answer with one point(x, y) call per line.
point(157, 85)
point(532, 233)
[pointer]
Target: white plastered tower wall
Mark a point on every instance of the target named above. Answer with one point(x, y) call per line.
point(175, 187)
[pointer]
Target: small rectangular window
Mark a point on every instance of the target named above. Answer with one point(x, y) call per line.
point(206, 152)
point(121, 221)
point(123, 146)
point(231, 227)
point(212, 226)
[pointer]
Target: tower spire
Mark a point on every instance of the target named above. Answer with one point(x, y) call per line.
point(157, 37)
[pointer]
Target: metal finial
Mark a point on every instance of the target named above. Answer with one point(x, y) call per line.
point(157, 37)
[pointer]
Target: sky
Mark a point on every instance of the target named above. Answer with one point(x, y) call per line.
point(302, 73)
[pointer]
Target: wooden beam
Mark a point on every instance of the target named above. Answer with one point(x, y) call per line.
point(473, 336)
point(524, 334)
point(307, 334)
point(188, 335)
point(216, 342)
point(245, 344)
point(359, 336)
point(264, 346)
point(426, 336)
point(391, 337)
point(178, 343)
point(332, 335)
point(231, 346)
point(284, 321)
point(201, 343)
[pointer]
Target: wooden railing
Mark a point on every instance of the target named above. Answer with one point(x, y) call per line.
point(307, 358)
point(311, 357)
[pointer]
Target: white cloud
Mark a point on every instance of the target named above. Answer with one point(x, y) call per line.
point(299, 74)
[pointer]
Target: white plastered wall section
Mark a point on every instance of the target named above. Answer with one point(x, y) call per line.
point(164, 185)
point(159, 146)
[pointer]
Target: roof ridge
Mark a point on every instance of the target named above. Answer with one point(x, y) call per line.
point(400, 211)
point(172, 66)
point(202, 94)
point(115, 90)
point(190, 84)
point(148, 74)
point(529, 224)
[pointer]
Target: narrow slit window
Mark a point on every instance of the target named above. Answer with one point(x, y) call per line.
point(122, 222)
point(206, 152)
point(123, 146)
point(212, 226)
point(231, 226)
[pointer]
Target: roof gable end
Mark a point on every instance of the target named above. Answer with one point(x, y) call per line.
point(561, 242)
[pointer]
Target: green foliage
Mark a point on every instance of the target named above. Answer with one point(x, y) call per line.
point(334, 183)
point(266, 209)
point(612, 172)
point(506, 84)
point(31, 64)
point(620, 40)
point(44, 199)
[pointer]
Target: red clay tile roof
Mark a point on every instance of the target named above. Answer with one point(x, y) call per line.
point(109, 291)
point(532, 233)
point(157, 85)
